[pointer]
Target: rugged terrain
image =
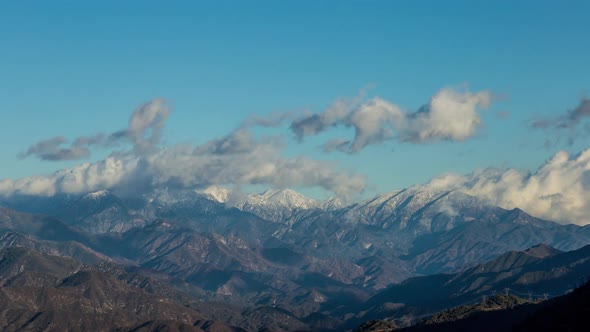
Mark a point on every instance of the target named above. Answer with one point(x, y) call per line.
point(282, 261)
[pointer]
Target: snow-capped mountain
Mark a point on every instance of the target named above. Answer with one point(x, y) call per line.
point(278, 205)
point(418, 210)
point(99, 212)
point(414, 223)
point(331, 204)
point(286, 198)
point(216, 193)
point(97, 195)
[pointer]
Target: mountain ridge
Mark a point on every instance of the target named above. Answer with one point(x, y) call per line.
point(305, 265)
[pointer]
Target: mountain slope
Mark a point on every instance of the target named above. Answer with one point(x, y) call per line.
point(42, 292)
point(372, 244)
point(304, 261)
point(53, 293)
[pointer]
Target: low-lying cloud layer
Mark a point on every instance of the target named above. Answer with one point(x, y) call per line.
point(450, 115)
point(233, 160)
point(559, 190)
point(183, 166)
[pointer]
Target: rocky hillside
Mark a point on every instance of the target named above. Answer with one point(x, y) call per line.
point(50, 293)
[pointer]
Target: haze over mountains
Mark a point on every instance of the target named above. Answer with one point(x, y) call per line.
point(282, 261)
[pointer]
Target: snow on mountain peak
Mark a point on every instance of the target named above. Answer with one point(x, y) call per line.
point(97, 194)
point(288, 198)
point(277, 205)
point(332, 203)
point(216, 193)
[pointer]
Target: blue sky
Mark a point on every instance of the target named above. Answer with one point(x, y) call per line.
point(70, 68)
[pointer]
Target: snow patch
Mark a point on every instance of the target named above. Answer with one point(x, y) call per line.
point(97, 194)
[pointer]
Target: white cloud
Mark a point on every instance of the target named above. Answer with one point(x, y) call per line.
point(559, 190)
point(146, 124)
point(450, 115)
point(236, 159)
point(239, 159)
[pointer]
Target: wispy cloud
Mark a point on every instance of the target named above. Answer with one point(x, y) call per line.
point(145, 125)
point(143, 132)
point(571, 125)
point(53, 149)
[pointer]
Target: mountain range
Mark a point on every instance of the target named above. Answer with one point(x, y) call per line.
point(280, 260)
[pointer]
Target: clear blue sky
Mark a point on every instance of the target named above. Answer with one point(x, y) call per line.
point(73, 68)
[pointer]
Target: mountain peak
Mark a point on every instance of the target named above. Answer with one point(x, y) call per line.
point(97, 194)
point(332, 203)
point(288, 198)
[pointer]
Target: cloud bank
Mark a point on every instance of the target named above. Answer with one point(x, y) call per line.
point(559, 190)
point(450, 115)
point(235, 159)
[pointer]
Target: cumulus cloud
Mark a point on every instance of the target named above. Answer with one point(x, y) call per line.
point(182, 167)
point(143, 132)
point(104, 174)
point(450, 115)
point(569, 125)
point(559, 190)
point(240, 159)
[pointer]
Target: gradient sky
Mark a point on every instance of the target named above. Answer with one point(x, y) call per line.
point(71, 68)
